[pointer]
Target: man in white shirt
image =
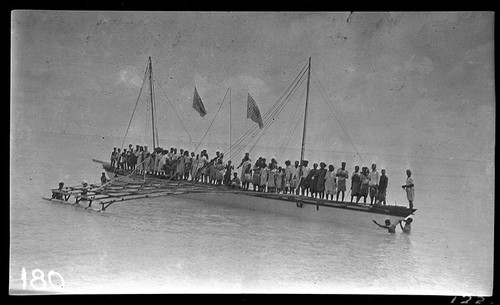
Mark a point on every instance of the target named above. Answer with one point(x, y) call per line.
point(374, 178)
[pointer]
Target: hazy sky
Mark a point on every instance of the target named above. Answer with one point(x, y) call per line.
point(414, 84)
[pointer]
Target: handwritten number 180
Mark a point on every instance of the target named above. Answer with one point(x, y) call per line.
point(38, 279)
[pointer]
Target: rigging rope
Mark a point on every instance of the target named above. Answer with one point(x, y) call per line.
point(246, 138)
point(296, 124)
point(206, 132)
point(330, 105)
point(290, 137)
point(135, 107)
point(176, 114)
point(277, 112)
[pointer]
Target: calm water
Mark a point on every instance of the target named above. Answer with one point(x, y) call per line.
point(172, 244)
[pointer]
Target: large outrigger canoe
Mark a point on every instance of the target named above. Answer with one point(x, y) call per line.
point(129, 185)
point(132, 186)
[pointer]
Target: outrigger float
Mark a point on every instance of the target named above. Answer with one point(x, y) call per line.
point(129, 185)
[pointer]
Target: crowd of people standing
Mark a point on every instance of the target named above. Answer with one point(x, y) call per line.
point(262, 176)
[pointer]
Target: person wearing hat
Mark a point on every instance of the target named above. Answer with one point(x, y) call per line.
point(407, 227)
point(58, 194)
point(342, 175)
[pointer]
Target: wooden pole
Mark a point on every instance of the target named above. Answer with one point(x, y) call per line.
point(303, 147)
point(152, 106)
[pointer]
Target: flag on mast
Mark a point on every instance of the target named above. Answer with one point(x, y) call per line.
point(198, 104)
point(253, 111)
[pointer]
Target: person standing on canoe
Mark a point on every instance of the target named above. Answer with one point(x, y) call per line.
point(140, 158)
point(287, 177)
point(342, 175)
point(320, 183)
point(271, 186)
point(194, 167)
point(374, 178)
point(331, 182)
point(391, 228)
point(187, 164)
point(243, 165)
point(355, 183)
point(294, 183)
point(123, 159)
point(113, 157)
point(247, 176)
point(304, 182)
point(263, 176)
point(256, 174)
point(227, 173)
point(146, 159)
point(409, 187)
point(382, 187)
point(279, 179)
point(313, 180)
point(363, 190)
point(117, 158)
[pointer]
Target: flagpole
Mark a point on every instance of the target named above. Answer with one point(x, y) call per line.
point(303, 147)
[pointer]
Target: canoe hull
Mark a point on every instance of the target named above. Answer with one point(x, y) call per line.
point(290, 208)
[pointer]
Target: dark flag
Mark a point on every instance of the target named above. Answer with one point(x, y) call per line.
point(253, 111)
point(198, 104)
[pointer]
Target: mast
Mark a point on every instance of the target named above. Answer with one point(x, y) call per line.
point(230, 144)
point(151, 96)
point(303, 148)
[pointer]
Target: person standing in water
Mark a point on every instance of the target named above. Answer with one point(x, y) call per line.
point(407, 226)
point(391, 228)
point(409, 188)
